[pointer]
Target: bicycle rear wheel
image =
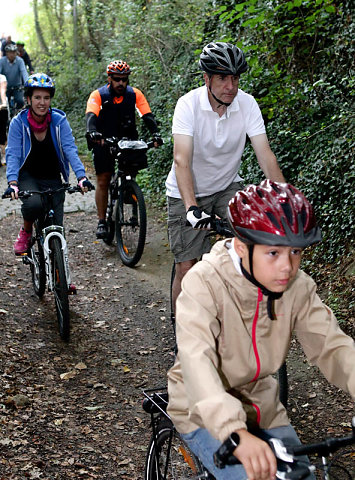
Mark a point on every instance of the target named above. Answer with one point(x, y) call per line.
point(60, 288)
point(131, 223)
point(168, 457)
point(37, 266)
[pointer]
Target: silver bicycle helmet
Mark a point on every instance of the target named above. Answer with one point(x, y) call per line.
point(10, 48)
point(221, 57)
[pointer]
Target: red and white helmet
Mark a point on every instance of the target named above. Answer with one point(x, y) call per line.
point(119, 67)
point(273, 213)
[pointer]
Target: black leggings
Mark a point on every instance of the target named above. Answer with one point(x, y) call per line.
point(33, 208)
point(4, 118)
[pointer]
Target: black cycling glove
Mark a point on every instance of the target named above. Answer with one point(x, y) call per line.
point(93, 138)
point(157, 138)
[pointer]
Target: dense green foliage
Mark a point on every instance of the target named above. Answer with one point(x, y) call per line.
point(301, 59)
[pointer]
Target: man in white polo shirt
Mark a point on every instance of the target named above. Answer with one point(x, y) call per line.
point(210, 127)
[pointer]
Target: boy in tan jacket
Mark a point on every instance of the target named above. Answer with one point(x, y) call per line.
point(235, 316)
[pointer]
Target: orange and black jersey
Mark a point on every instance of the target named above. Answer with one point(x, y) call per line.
point(94, 103)
point(115, 116)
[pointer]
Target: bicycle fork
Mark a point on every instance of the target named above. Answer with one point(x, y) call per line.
point(47, 256)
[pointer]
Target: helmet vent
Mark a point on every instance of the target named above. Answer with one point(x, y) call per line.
point(273, 220)
point(275, 187)
point(303, 217)
point(260, 193)
point(288, 212)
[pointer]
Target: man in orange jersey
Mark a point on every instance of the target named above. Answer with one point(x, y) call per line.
point(111, 112)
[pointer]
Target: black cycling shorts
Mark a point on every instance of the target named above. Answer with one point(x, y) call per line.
point(103, 161)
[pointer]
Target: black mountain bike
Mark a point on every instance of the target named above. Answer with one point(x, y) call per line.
point(169, 458)
point(126, 214)
point(48, 258)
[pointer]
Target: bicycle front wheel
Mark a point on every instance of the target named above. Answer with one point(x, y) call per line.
point(131, 223)
point(38, 271)
point(60, 288)
point(168, 457)
point(109, 219)
point(283, 383)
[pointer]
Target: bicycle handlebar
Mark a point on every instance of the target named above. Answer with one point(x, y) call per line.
point(287, 453)
point(50, 191)
point(123, 144)
point(221, 227)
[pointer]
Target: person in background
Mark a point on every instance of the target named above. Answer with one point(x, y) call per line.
point(38, 154)
point(21, 52)
point(4, 117)
point(2, 39)
point(13, 67)
point(5, 42)
point(111, 112)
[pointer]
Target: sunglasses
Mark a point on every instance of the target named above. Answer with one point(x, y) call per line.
point(119, 79)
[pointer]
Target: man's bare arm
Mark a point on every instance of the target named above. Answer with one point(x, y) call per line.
point(266, 158)
point(183, 149)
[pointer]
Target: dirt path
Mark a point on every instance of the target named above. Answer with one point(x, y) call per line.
point(74, 410)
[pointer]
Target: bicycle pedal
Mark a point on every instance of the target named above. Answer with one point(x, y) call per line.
point(25, 259)
point(72, 289)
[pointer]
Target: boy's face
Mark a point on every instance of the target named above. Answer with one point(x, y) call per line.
point(274, 267)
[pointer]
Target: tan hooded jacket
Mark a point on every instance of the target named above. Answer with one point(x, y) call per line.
point(229, 348)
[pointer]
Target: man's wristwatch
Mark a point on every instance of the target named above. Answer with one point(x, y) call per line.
point(226, 450)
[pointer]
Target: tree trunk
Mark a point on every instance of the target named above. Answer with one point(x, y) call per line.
point(91, 30)
point(75, 43)
point(41, 41)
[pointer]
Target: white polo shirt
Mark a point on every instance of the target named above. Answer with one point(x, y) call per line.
point(218, 142)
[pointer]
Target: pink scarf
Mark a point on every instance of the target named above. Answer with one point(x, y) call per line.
point(38, 127)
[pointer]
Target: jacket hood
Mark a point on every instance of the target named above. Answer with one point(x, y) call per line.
point(223, 265)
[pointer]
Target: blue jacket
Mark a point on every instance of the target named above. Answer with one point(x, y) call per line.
point(19, 145)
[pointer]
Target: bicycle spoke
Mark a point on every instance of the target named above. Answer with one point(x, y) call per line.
point(60, 289)
point(37, 266)
point(169, 458)
point(130, 223)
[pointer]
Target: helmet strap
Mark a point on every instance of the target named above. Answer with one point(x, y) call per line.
point(271, 296)
point(218, 100)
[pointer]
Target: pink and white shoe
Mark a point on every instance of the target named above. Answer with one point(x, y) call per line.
point(23, 242)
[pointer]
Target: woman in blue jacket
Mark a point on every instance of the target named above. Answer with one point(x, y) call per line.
point(39, 150)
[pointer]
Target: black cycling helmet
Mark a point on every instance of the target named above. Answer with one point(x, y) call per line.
point(221, 57)
point(10, 48)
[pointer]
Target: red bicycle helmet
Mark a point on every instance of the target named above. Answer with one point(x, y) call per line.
point(273, 213)
point(119, 67)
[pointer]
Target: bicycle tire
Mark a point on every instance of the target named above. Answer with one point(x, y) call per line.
point(109, 219)
point(182, 463)
point(38, 270)
point(172, 310)
point(283, 384)
point(60, 288)
point(131, 223)
point(339, 472)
